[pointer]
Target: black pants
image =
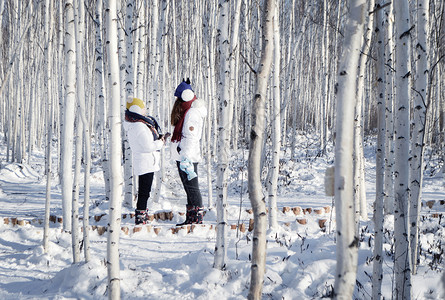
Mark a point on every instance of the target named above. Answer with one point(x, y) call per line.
point(144, 189)
point(191, 187)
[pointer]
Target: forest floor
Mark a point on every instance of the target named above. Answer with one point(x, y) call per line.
point(161, 261)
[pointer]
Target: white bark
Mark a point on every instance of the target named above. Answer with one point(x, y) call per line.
point(116, 179)
point(254, 164)
point(224, 135)
point(84, 130)
point(418, 133)
point(347, 239)
point(76, 192)
point(359, 167)
point(276, 124)
point(100, 96)
point(402, 257)
point(389, 151)
point(123, 47)
point(377, 274)
point(49, 118)
point(69, 113)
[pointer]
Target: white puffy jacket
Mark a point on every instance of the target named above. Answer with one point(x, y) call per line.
point(191, 134)
point(144, 148)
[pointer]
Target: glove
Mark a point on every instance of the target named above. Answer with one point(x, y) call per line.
point(187, 166)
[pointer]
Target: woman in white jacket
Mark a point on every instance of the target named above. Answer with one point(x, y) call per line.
point(187, 116)
point(145, 142)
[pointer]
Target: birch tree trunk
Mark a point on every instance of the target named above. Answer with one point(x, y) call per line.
point(389, 90)
point(85, 133)
point(100, 96)
point(402, 254)
point(377, 274)
point(124, 44)
point(69, 113)
point(347, 239)
point(49, 114)
point(276, 124)
point(418, 133)
point(256, 196)
point(76, 192)
point(224, 135)
point(116, 180)
point(359, 168)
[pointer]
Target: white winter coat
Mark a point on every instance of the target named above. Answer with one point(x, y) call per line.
point(190, 141)
point(144, 149)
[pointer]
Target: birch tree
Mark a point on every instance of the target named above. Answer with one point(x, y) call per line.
point(377, 274)
point(402, 254)
point(256, 196)
point(49, 114)
point(84, 134)
point(389, 115)
point(276, 124)
point(224, 135)
point(100, 95)
point(419, 126)
point(116, 180)
point(359, 166)
point(347, 239)
point(69, 113)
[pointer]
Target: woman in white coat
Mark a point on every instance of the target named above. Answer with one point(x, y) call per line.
point(145, 141)
point(187, 116)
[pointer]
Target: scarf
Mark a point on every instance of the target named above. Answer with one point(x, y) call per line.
point(147, 120)
point(177, 132)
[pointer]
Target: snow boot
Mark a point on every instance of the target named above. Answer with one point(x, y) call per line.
point(189, 216)
point(141, 217)
point(199, 214)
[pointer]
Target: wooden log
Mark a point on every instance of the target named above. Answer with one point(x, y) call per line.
point(302, 221)
point(101, 230)
point(286, 209)
point(430, 203)
point(169, 215)
point(242, 227)
point(318, 211)
point(296, 210)
point(125, 230)
point(322, 223)
point(251, 224)
point(97, 218)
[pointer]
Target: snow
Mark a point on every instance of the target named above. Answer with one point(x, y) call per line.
point(301, 258)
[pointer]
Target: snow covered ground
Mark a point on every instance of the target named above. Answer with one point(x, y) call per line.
point(157, 263)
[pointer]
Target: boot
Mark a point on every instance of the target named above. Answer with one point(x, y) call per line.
point(199, 215)
point(189, 216)
point(140, 217)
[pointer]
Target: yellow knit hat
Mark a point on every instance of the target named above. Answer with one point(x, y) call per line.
point(135, 105)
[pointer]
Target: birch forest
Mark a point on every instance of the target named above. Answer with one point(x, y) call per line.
point(347, 71)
